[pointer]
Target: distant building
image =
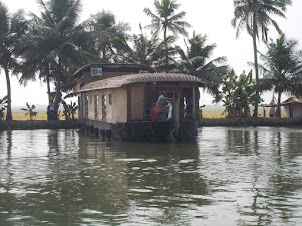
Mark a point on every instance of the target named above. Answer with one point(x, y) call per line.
point(292, 107)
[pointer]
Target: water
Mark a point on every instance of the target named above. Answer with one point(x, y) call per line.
point(229, 176)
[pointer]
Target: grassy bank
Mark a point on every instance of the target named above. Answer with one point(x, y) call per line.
point(212, 117)
point(39, 124)
point(244, 122)
point(217, 112)
point(19, 115)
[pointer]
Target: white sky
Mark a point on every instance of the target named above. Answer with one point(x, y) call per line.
point(210, 17)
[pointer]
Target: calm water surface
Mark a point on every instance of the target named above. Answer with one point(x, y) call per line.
point(229, 176)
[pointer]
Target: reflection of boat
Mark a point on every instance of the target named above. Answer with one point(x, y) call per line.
point(118, 100)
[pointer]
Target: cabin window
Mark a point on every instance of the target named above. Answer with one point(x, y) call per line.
point(96, 104)
point(110, 99)
point(104, 105)
point(86, 106)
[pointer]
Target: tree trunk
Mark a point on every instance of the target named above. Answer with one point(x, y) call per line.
point(278, 111)
point(58, 96)
point(48, 89)
point(166, 50)
point(256, 66)
point(9, 116)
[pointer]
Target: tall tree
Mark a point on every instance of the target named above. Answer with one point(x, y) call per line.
point(104, 29)
point(255, 17)
point(141, 49)
point(196, 60)
point(57, 41)
point(166, 19)
point(11, 30)
point(282, 68)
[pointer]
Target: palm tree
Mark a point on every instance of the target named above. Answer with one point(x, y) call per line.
point(11, 30)
point(255, 17)
point(196, 60)
point(30, 111)
point(141, 50)
point(282, 68)
point(3, 103)
point(104, 29)
point(166, 19)
point(56, 47)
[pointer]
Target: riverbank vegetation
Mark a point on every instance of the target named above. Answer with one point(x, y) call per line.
point(52, 45)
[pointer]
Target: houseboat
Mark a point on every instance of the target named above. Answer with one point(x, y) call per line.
point(119, 101)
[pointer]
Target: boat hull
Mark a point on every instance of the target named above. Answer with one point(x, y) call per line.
point(141, 130)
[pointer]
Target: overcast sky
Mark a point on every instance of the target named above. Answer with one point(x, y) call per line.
point(210, 17)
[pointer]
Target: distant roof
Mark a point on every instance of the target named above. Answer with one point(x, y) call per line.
point(292, 100)
point(116, 67)
point(269, 105)
point(123, 80)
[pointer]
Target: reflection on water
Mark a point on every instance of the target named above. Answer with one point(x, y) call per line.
point(229, 176)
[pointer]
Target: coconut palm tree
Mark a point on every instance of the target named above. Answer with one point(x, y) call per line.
point(255, 17)
point(11, 30)
point(57, 41)
point(166, 19)
point(141, 49)
point(104, 28)
point(196, 60)
point(282, 68)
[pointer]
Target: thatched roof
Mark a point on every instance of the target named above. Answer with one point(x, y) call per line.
point(292, 100)
point(124, 80)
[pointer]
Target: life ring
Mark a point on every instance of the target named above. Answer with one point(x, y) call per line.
point(122, 132)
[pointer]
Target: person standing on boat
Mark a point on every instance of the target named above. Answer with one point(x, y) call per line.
point(161, 103)
point(162, 106)
point(52, 112)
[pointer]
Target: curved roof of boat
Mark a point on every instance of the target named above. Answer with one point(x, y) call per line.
point(124, 80)
point(116, 67)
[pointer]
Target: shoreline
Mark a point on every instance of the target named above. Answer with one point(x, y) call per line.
point(39, 124)
point(204, 122)
point(246, 122)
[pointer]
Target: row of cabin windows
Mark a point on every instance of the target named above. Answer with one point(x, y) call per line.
point(96, 105)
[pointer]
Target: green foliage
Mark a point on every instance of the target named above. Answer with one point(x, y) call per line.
point(3, 106)
point(166, 19)
point(282, 68)
point(104, 31)
point(255, 16)
point(238, 94)
point(69, 110)
point(197, 60)
point(12, 29)
point(141, 50)
point(30, 111)
point(56, 45)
